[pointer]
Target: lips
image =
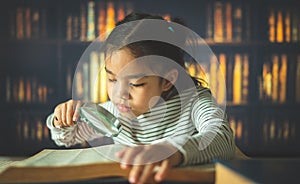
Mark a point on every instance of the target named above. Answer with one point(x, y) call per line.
point(123, 108)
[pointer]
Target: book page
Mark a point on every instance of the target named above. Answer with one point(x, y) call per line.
point(6, 162)
point(71, 157)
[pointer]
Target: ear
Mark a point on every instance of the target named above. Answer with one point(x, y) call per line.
point(170, 79)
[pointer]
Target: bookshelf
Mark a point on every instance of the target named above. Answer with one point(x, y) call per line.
point(257, 42)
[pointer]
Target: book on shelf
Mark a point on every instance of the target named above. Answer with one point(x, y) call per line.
point(274, 78)
point(94, 19)
point(225, 22)
point(283, 25)
point(28, 23)
point(58, 165)
point(297, 80)
point(276, 128)
point(225, 74)
point(26, 90)
point(90, 79)
point(30, 127)
point(284, 170)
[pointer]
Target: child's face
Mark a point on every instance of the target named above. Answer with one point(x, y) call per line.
point(132, 86)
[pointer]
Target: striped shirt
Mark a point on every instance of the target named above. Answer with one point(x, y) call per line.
point(191, 121)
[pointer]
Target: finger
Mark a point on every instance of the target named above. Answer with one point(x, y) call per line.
point(57, 117)
point(121, 153)
point(134, 173)
point(129, 156)
point(69, 113)
point(63, 114)
point(76, 111)
point(163, 170)
point(146, 174)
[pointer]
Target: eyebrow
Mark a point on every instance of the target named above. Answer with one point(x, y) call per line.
point(133, 76)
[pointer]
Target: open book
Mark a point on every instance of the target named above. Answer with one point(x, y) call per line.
point(51, 165)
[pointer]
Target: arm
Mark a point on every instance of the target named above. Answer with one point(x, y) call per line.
point(214, 137)
point(71, 135)
point(65, 126)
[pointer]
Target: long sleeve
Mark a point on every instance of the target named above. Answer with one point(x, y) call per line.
point(213, 138)
point(76, 134)
point(69, 136)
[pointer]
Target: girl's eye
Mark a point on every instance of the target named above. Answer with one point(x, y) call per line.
point(137, 85)
point(112, 80)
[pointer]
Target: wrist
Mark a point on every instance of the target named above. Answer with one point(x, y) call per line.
point(176, 159)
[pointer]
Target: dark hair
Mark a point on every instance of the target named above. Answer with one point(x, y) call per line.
point(147, 47)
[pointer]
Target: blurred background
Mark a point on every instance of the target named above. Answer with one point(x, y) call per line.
point(257, 44)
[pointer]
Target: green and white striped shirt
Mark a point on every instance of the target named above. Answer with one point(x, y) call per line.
point(191, 121)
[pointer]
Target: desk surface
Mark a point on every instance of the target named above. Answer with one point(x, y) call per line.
point(266, 170)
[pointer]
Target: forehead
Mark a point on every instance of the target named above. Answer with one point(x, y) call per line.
point(122, 63)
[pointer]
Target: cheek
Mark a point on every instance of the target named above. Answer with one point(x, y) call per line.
point(109, 90)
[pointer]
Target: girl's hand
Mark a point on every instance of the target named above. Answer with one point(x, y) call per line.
point(65, 114)
point(143, 161)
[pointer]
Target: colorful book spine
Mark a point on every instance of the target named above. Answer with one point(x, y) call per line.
point(221, 92)
point(283, 79)
point(110, 17)
point(83, 22)
point(237, 79)
point(272, 26)
point(218, 22)
point(91, 21)
point(237, 23)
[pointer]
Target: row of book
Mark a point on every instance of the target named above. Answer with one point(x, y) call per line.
point(272, 129)
point(284, 25)
point(275, 129)
point(89, 82)
point(227, 22)
point(276, 71)
point(227, 75)
point(95, 19)
point(31, 127)
point(25, 90)
point(28, 23)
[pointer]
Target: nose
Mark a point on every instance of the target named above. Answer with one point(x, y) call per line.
point(121, 90)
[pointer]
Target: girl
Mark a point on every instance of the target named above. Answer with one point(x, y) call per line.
point(169, 119)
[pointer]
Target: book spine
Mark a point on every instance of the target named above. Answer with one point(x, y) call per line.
point(91, 21)
point(272, 26)
point(209, 22)
point(83, 22)
point(287, 23)
point(228, 22)
point(237, 79)
point(94, 73)
point(110, 17)
point(19, 23)
point(279, 28)
point(101, 21)
point(218, 22)
point(297, 80)
point(103, 79)
point(245, 78)
point(213, 75)
point(283, 78)
point(295, 28)
point(221, 92)
point(237, 23)
point(274, 83)
point(69, 28)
